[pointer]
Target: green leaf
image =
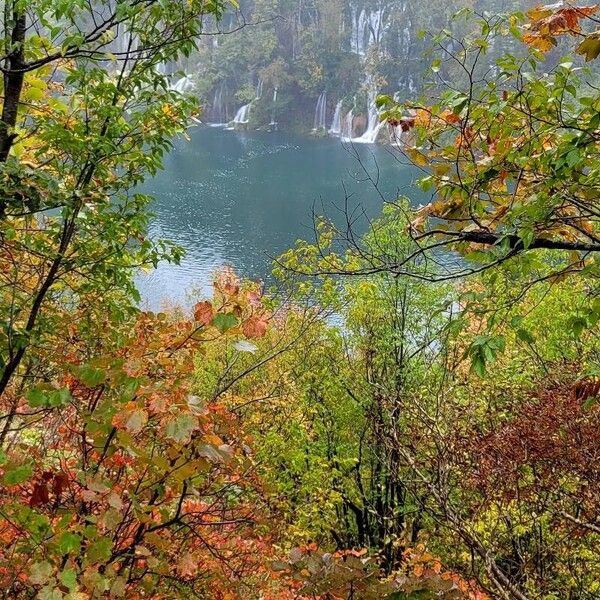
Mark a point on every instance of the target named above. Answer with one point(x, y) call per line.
point(478, 365)
point(180, 429)
point(226, 321)
point(578, 325)
point(89, 376)
point(68, 578)
point(18, 474)
point(525, 336)
point(69, 543)
point(100, 550)
point(384, 101)
point(46, 396)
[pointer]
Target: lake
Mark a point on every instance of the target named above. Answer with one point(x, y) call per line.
point(241, 198)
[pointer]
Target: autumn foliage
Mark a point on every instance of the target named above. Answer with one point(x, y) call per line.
point(433, 442)
point(127, 483)
point(547, 23)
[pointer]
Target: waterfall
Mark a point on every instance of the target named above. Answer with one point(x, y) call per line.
point(320, 112)
point(367, 29)
point(348, 126)
point(219, 108)
point(123, 43)
point(183, 85)
point(273, 122)
point(373, 123)
point(336, 124)
point(242, 116)
point(348, 123)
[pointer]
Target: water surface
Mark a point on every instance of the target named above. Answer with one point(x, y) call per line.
point(240, 199)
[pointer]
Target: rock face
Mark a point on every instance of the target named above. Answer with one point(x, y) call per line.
point(359, 126)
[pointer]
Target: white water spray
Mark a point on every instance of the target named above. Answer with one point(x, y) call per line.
point(273, 123)
point(374, 124)
point(183, 85)
point(242, 117)
point(320, 111)
point(336, 124)
point(367, 29)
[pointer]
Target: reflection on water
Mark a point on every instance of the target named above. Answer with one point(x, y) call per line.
point(240, 199)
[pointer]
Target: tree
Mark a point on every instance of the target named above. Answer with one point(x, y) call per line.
point(511, 158)
point(85, 117)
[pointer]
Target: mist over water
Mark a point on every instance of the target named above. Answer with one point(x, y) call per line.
point(242, 198)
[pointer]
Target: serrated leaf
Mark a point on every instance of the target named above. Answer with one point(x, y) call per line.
point(100, 550)
point(69, 543)
point(68, 577)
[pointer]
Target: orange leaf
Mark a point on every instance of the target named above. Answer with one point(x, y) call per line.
point(255, 327)
point(203, 313)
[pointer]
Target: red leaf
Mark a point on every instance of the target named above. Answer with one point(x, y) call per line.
point(60, 483)
point(39, 496)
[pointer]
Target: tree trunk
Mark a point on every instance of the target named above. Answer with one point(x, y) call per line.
point(13, 80)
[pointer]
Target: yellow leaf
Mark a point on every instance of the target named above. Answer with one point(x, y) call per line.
point(539, 12)
point(417, 157)
point(590, 47)
point(33, 93)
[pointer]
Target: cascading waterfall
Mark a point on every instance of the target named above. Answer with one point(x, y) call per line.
point(219, 108)
point(348, 126)
point(374, 125)
point(336, 124)
point(320, 111)
point(367, 29)
point(183, 85)
point(349, 129)
point(273, 123)
point(242, 117)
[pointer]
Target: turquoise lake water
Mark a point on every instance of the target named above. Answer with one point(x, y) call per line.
point(240, 199)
